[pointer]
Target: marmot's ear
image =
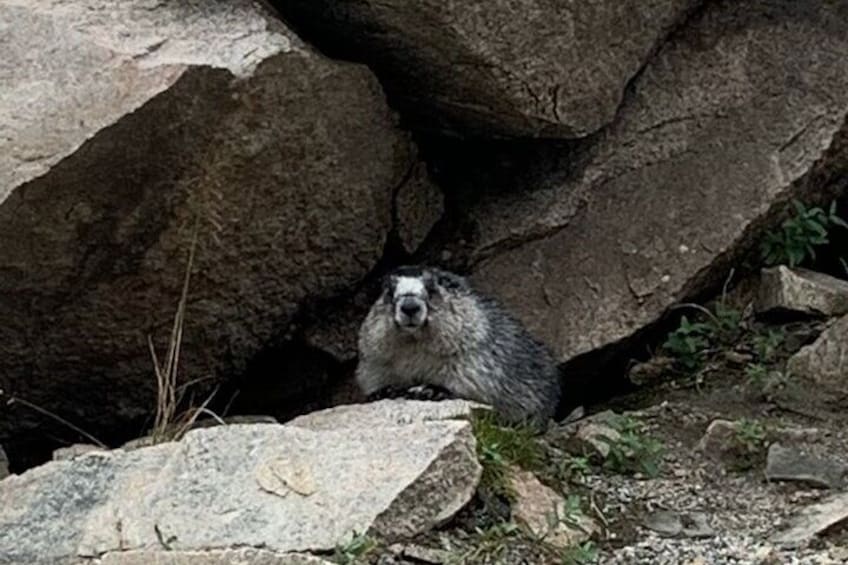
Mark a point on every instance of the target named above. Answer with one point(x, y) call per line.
point(387, 284)
point(451, 281)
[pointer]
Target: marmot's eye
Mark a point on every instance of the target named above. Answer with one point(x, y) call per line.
point(450, 282)
point(387, 295)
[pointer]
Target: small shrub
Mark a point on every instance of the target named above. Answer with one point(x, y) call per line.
point(489, 545)
point(751, 433)
point(634, 452)
point(570, 514)
point(751, 437)
point(581, 554)
point(725, 324)
point(757, 374)
point(687, 343)
point(767, 344)
point(797, 238)
point(578, 466)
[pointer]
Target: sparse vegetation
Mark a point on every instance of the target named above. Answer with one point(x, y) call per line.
point(797, 238)
point(689, 343)
point(355, 550)
point(168, 425)
point(488, 544)
point(500, 446)
point(570, 514)
point(766, 344)
point(635, 451)
point(12, 400)
point(751, 434)
point(580, 554)
point(757, 374)
point(577, 466)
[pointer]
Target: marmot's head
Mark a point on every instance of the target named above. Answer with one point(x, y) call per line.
point(412, 295)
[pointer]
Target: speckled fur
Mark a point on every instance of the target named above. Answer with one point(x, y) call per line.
point(470, 346)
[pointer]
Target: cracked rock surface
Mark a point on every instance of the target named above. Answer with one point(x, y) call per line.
point(146, 123)
point(590, 247)
point(497, 68)
point(278, 488)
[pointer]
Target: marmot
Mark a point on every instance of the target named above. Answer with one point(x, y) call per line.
point(430, 329)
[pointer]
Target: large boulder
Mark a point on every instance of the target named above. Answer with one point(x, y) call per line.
point(742, 110)
point(130, 129)
point(280, 488)
point(534, 68)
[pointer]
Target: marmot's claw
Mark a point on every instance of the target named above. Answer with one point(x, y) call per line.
point(427, 392)
point(387, 392)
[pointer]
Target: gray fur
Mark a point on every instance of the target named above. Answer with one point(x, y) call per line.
point(468, 345)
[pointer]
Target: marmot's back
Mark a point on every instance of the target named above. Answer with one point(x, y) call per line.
point(429, 327)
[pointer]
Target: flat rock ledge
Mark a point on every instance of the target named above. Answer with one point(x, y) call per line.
point(281, 489)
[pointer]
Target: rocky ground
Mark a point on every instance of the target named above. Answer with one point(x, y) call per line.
point(724, 452)
point(735, 461)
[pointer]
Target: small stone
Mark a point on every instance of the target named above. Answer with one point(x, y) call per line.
point(650, 371)
point(74, 451)
point(678, 524)
point(543, 513)
point(801, 291)
point(813, 520)
point(738, 358)
point(664, 522)
point(593, 439)
point(719, 434)
point(424, 554)
point(696, 525)
point(793, 464)
point(727, 442)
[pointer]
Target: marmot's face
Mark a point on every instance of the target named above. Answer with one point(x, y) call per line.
point(410, 299)
point(413, 295)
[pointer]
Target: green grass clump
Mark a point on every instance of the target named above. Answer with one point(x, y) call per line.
point(500, 447)
point(355, 550)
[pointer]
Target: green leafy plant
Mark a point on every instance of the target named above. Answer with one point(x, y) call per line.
point(725, 324)
point(500, 446)
point(578, 466)
point(359, 546)
point(580, 554)
point(488, 545)
point(687, 343)
point(797, 238)
point(633, 451)
point(767, 344)
point(571, 513)
point(747, 450)
point(756, 373)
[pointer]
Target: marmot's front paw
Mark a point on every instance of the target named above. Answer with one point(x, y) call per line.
point(387, 392)
point(428, 392)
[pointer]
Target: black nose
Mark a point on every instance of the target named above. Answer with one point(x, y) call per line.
point(410, 308)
